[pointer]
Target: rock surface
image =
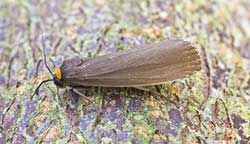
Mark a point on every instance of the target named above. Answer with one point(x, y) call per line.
point(211, 106)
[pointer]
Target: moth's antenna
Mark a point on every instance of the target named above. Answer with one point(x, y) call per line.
point(37, 89)
point(44, 58)
point(45, 63)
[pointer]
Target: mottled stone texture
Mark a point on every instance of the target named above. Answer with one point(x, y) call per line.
point(209, 107)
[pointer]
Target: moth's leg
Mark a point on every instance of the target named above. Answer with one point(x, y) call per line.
point(82, 95)
point(73, 98)
point(101, 107)
point(158, 88)
point(58, 97)
point(156, 93)
point(103, 98)
point(147, 90)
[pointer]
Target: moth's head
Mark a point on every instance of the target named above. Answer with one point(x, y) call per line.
point(57, 78)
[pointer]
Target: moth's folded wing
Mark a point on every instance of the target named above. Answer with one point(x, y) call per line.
point(149, 65)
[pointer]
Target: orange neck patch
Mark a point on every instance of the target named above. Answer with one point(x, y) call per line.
point(58, 73)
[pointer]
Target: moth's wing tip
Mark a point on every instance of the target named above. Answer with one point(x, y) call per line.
point(192, 54)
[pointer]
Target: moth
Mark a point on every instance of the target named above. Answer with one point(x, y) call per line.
point(144, 65)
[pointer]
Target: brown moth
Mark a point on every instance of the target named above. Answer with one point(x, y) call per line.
point(149, 64)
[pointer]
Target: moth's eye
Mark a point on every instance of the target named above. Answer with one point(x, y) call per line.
point(58, 73)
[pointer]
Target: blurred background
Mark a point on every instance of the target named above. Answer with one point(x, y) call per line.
point(211, 106)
